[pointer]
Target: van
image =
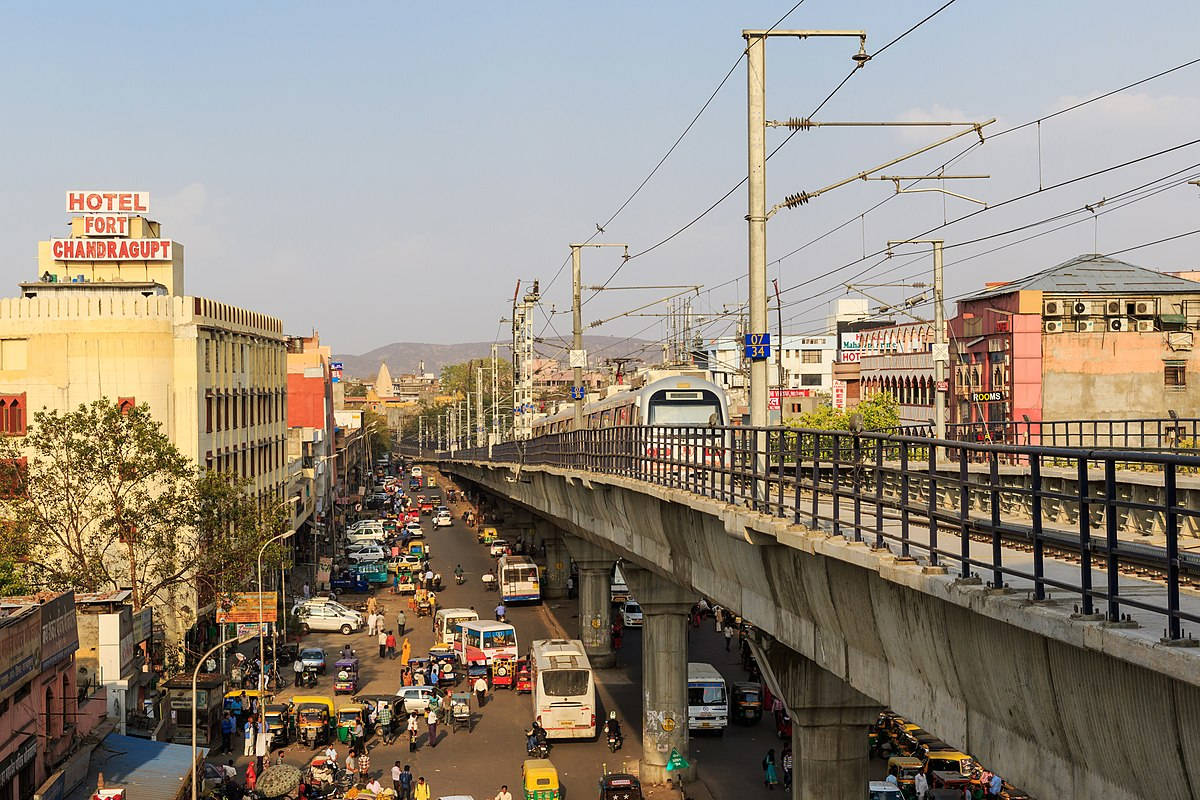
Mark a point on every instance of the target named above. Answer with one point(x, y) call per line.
point(708, 698)
point(323, 614)
point(445, 620)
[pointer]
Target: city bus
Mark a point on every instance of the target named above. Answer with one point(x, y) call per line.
point(564, 694)
point(518, 579)
point(708, 698)
point(481, 640)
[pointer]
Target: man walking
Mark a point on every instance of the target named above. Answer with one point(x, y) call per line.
point(480, 688)
point(228, 726)
point(921, 785)
point(396, 773)
point(401, 621)
point(728, 636)
point(382, 639)
point(298, 672)
point(364, 766)
point(503, 794)
point(421, 790)
point(248, 740)
point(431, 719)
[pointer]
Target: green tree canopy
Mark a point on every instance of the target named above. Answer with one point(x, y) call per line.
point(878, 412)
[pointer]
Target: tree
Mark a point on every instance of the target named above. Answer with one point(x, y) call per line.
point(230, 527)
point(99, 498)
point(377, 429)
point(878, 412)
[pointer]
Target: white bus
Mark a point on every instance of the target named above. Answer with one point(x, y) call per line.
point(564, 694)
point(518, 579)
point(708, 698)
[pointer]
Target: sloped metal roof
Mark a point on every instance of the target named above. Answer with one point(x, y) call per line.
point(1092, 273)
point(149, 770)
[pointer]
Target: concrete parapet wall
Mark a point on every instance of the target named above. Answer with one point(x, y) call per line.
point(1061, 707)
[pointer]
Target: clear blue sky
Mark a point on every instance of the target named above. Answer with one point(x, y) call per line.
point(386, 171)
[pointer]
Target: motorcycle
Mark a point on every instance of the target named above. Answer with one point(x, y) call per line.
point(614, 741)
point(538, 748)
point(459, 578)
point(308, 678)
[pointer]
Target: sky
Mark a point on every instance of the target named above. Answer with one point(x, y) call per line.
point(388, 171)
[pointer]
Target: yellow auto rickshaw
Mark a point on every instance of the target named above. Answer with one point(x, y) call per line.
point(905, 768)
point(314, 719)
point(487, 536)
point(280, 721)
point(347, 716)
point(540, 779)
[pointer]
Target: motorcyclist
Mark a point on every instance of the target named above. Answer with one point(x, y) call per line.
point(612, 726)
point(458, 573)
point(534, 736)
point(500, 612)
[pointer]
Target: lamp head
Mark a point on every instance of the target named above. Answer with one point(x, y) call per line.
point(862, 56)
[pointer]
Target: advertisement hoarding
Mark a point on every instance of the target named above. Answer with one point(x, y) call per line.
point(111, 249)
point(247, 607)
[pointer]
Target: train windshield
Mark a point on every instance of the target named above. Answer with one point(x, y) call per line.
point(685, 408)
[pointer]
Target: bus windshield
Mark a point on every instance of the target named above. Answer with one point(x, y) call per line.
point(565, 682)
point(499, 638)
point(521, 572)
point(706, 695)
point(700, 413)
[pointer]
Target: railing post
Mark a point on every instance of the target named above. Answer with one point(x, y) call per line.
point(835, 460)
point(857, 487)
point(1039, 571)
point(798, 457)
point(879, 493)
point(816, 480)
point(781, 435)
point(1110, 528)
point(994, 502)
point(933, 506)
point(904, 548)
point(1085, 537)
point(964, 511)
point(1174, 630)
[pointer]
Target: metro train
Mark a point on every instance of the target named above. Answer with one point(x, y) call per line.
point(679, 400)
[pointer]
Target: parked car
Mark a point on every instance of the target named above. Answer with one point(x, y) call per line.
point(367, 554)
point(327, 615)
point(882, 790)
point(414, 530)
point(631, 614)
point(443, 520)
point(313, 657)
point(416, 698)
point(498, 547)
point(350, 583)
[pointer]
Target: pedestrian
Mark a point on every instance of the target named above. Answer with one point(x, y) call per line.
point(298, 672)
point(251, 776)
point(330, 754)
point(406, 783)
point(431, 720)
point(921, 785)
point(364, 766)
point(785, 759)
point(385, 722)
point(718, 616)
point(382, 639)
point(433, 673)
point(412, 732)
point(391, 645)
point(306, 590)
point(248, 740)
point(421, 790)
point(229, 772)
point(228, 726)
point(401, 621)
point(351, 762)
point(570, 586)
point(728, 636)
point(995, 785)
point(503, 794)
point(359, 735)
point(770, 776)
point(405, 650)
point(480, 688)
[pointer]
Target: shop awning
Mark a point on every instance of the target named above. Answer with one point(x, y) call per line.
point(149, 770)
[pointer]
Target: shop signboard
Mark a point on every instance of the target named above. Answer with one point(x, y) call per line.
point(101, 201)
point(773, 400)
point(111, 249)
point(839, 395)
point(247, 607)
point(60, 637)
point(20, 649)
point(994, 396)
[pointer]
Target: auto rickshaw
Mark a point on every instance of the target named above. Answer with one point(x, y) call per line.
point(419, 549)
point(460, 711)
point(503, 672)
point(233, 702)
point(747, 703)
point(314, 719)
point(347, 716)
point(523, 683)
point(905, 768)
point(424, 607)
point(405, 582)
point(540, 779)
point(487, 535)
point(620, 786)
point(280, 723)
point(345, 676)
point(446, 660)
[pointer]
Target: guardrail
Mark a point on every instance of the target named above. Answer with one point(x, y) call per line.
point(881, 488)
point(1168, 434)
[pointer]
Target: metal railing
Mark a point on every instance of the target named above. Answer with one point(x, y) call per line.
point(915, 494)
point(1170, 434)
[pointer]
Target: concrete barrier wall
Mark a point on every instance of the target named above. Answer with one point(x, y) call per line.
point(1061, 707)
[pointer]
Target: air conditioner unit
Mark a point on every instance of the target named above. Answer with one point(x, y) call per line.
point(1114, 308)
point(1053, 326)
point(1086, 326)
point(1053, 308)
point(1145, 308)
point(1079, 308)
point(1119, 324)
point(1145, 326)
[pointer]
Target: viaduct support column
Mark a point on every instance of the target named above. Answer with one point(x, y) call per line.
point(665, 608)
point(595, 599)
point(549, 540)
point(829, 723)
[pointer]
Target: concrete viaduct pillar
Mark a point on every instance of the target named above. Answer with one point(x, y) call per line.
point(665, 608)
point(548, 538)
point(595, 599)
point(829, 723)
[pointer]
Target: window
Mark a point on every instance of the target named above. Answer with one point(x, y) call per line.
point(1175, 374)
point(12, 414)
point(126, 404)
point(208, 414)
point(208, 355)
point(810, 380)
point(811, 356)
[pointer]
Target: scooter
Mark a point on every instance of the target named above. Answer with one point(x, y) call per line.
point(309, 677)
point(460, 578)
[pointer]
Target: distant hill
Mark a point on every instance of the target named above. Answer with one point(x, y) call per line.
point(403, 357)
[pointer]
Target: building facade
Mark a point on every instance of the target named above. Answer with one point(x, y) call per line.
point(214, 375)
point(1091, 338)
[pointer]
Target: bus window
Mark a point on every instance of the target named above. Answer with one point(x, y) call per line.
point(565, 682)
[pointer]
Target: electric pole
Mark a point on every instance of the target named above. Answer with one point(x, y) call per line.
point(941, 350)
point(495, 400)
point(578, 354)
point(480, 427)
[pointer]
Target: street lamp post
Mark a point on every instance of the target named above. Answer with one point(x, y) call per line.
point(195, 679)
point(262, 642)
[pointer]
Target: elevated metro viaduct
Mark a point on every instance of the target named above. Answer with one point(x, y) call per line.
point(1063, 707)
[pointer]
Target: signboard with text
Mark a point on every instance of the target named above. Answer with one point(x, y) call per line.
point(247, 607)
point(20, 650)
point(111, 249)
point(773, 400)
point(839, 395)
point(100, 201)
point(60, 638)
point(757, 346)
point(987, 397)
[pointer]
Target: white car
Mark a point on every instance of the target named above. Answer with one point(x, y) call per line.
point(416, 472)
point(498, 547)
point(416, 698)
point(414, 530)
point(443, 520)
point(367, 555)
point(354, 545)
point(882, 790)
point(631, 615)
point(326, 615)
point(363, 538)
